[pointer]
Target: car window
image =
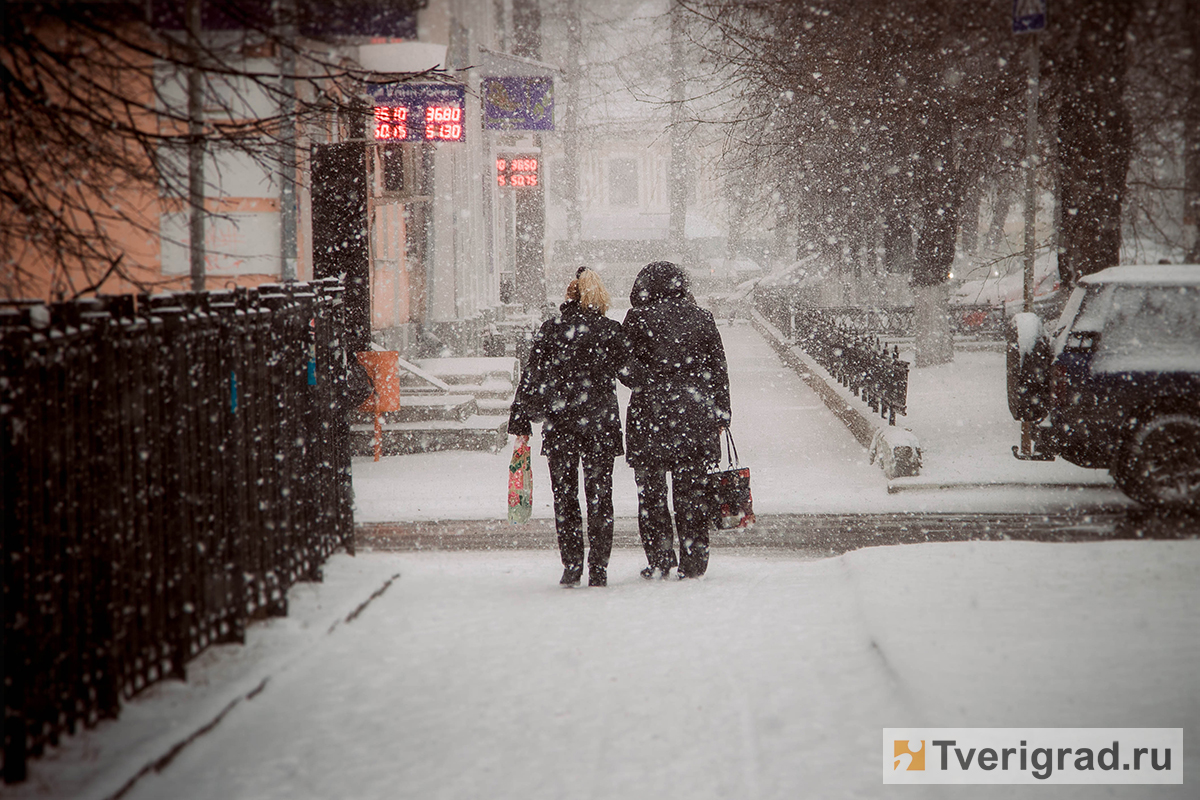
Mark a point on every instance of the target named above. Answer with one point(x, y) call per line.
point(1069, 312)
point(1089, 319)
point(1150, 329)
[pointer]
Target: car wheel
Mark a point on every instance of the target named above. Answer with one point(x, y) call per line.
point(1160, 463)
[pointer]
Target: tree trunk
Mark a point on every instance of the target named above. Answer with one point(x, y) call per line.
point(1191, 153)
point(969, 218)
point(1000, 209)
point(1095, 140)
point(935, 243)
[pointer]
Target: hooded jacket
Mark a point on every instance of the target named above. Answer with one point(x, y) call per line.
point(677, 372)
point(570, 383)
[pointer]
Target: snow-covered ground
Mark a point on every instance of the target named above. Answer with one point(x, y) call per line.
point(472, 674)
point(802, 459)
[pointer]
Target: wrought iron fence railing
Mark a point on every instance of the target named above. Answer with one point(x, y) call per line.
point(172, 464)
point(860, 361)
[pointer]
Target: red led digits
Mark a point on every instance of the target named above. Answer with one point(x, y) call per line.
point(521, 171)
point(442, 123)
point(443, 114)
point(389, 122)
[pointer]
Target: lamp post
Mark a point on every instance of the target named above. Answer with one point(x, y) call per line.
point(1029, 17)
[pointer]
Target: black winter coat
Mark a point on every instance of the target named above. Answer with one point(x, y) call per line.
point(570, 382)
point(677, 372)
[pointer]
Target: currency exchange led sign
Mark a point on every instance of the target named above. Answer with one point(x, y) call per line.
point(518, 171)
point(417, 113)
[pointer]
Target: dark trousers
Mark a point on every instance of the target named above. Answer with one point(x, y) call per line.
point(597, 488)
point(691, 522)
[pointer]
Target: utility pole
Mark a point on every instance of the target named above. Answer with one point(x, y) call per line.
point(1032, 90)
point(1029, 16)
point(195, 90)
point(570, 134)
point(676, 231)
point(287, 143)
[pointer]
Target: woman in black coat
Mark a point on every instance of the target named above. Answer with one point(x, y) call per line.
point(679, 406)
point(570, 383)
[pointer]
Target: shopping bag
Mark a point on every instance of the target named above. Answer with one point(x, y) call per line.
point(728, 490)
point(520, 485)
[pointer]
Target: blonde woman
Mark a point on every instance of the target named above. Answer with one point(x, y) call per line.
point(570, 384)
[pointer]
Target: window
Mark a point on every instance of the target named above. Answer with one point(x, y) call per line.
point(623, 182)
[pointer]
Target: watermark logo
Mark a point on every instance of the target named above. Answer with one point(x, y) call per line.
point(908, 754)
point(1033, 755)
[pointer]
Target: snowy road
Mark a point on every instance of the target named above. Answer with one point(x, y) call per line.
point(474, 675)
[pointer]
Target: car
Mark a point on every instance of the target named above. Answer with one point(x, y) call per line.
point(1115, 383)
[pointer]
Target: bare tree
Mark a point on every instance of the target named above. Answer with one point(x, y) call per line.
point(94, 122)
point(867, 113)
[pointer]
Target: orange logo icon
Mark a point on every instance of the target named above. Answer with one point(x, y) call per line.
point(909, 755)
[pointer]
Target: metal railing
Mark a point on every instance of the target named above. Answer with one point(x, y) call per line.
point(172, 464)
point(861, 363)
point(857, 360)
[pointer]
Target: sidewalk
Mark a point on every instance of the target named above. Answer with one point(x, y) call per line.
point(802, 457)
point(463, 674)
point(418, 675)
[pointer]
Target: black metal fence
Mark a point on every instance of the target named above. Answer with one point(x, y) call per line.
point(859, 361)
point(172, 464)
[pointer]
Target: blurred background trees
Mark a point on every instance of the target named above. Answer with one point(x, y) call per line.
point(890, 136)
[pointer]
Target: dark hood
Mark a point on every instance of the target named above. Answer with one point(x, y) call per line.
point(658, 281)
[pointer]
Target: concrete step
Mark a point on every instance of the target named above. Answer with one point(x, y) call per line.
point(479, 432)
point(476, 371)
point(491, 405)
point(422, 407)
point(490, 389)
point(486, 378)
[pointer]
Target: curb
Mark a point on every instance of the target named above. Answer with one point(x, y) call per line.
point(155, 750)
point(897, 449)
point(816, 535)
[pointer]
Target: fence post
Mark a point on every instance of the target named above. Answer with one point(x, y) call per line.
point(15, 456)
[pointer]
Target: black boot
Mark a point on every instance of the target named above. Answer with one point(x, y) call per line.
point(571, 575)
point(597, 575)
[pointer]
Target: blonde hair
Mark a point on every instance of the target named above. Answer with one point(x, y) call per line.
point(589, 290)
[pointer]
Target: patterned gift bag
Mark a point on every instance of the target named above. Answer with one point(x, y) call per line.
point(730, 504)
point(520, 485)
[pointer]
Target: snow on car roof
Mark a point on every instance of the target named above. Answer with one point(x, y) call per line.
point(1172, 274)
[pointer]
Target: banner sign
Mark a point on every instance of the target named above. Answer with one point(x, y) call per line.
point(518, 104)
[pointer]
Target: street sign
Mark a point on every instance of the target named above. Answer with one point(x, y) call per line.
point(1028, 16)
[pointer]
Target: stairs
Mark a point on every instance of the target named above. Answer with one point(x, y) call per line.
point(445, 404)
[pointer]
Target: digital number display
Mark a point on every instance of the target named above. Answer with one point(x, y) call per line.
point(391, 123)
point(443, 124)
point(419, 113)
point(517, 171)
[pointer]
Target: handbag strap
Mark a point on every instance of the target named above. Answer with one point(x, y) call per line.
point(731, 449)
